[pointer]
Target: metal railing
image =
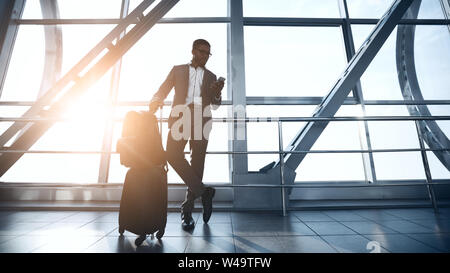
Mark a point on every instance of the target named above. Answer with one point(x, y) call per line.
point(282, 101)
point(282, 153)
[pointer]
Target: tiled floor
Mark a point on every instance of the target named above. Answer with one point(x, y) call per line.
point(326, 231)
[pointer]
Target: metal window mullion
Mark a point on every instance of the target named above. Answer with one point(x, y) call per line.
point(109, 126)
point(268, 119)
point(426, 166)
point(177, 20)
point(273, 101)
point(236, 86)
point(281, 156)
point(277, 21)
point(363, 126)
point(268, 152)
point(402, 21)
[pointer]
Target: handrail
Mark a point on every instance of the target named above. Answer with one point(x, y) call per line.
point(270, 101)
point(246, 152)
point(248, 21)
point(266, 119)
point(228, 185)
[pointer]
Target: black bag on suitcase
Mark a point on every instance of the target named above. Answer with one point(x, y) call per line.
point(140, 145)
point(143, 206)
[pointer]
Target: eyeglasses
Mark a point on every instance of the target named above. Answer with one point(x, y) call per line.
point(204, 52)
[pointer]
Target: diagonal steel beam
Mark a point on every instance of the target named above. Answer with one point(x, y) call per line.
point(330, 104)
point(83, 82)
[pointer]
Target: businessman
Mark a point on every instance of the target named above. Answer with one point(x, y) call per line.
point(197, 90)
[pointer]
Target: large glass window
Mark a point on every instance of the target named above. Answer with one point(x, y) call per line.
point(431, 58)
point(429, 9)
point(380, 80)
point(437, 169)
point(81, 130)
point(26, 69)
point(54, 168)
point(367, 9)
point(148, 63)
point(292, 61)
point(193, 8)
point(339, 135)
point(76, 9)
point(291, 8)
point(199, 8)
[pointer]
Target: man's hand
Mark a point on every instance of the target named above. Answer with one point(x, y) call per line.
point(154, 105)
point(217, 87)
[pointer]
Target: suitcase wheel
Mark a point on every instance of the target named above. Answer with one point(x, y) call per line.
point(121, 231)
point(140, 239)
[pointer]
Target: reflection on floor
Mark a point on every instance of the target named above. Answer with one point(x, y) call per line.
point(328, 231)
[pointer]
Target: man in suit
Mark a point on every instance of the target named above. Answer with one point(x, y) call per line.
point(196, 91)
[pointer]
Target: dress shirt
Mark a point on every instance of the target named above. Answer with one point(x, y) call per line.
point(195, 84)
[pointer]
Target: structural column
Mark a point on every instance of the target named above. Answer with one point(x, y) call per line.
point(237, 140)
point(105, 158)
point(363, 126)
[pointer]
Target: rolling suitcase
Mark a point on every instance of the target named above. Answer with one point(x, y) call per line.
point(143, 205)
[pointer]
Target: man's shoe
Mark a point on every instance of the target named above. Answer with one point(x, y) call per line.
point(207, 197)
point(187, 222)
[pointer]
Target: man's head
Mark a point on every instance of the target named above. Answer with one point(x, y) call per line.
point(201, 50)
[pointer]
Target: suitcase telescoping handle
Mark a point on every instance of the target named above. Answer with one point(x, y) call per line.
point(160, 120)
point(166, 168)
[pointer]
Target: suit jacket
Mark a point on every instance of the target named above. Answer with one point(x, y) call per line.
point(179, 78)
